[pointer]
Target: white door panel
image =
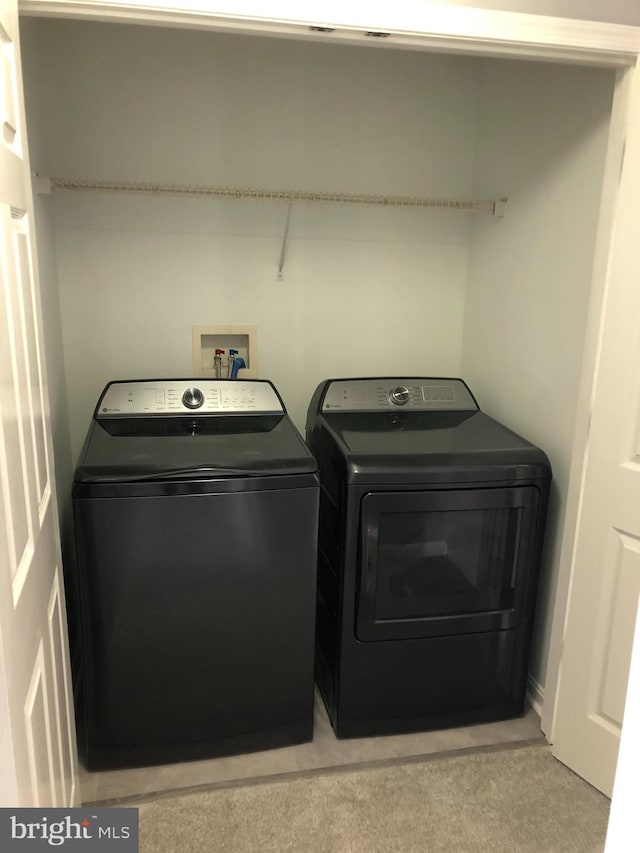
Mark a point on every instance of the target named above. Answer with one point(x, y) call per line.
point(605, 585)
point(38, 763)
point(16, 484)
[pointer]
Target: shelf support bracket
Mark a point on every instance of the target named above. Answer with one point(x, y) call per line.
point(499, 208)
point(285, 238)
point(41, 185)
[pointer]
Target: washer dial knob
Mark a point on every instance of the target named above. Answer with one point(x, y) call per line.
point(193, 398)
point(399, 396)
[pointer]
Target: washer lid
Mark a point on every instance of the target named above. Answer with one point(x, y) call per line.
point(134, 446)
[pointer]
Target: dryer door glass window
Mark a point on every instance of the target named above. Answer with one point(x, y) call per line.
point(444, 562)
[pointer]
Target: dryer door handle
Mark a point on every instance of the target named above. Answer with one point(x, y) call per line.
point(369, 586)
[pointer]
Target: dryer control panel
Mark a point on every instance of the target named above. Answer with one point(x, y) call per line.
point(414, 394)
point(145, 398)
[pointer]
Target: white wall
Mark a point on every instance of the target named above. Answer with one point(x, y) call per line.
point(541, 142)
point(366, 291)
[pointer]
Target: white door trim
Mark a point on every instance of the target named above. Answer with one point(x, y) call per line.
point(407, 23)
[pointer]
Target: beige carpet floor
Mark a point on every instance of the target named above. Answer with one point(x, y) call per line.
point(517, 799)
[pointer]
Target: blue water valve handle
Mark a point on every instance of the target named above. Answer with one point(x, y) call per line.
point(238, 364)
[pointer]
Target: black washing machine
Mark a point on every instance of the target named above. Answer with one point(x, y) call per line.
point(196, 517)
point(431, 524)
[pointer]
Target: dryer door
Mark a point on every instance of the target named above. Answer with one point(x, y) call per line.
point(446, 562)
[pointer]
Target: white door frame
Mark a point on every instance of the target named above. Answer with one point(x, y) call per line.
point(408, 23)
point(405, 24)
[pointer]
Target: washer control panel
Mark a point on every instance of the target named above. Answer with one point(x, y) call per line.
point(187, 396)
point(416, 394)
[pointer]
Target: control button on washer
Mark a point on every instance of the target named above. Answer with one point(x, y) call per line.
point(193, 398)
point(399, 395)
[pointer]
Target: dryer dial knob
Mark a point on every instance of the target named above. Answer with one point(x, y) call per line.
point(399, 396)
point(193, 398)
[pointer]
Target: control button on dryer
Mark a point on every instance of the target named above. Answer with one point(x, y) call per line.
point(193, 398)
point(399, 396)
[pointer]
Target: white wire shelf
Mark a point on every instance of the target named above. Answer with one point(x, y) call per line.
point(255, 194)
